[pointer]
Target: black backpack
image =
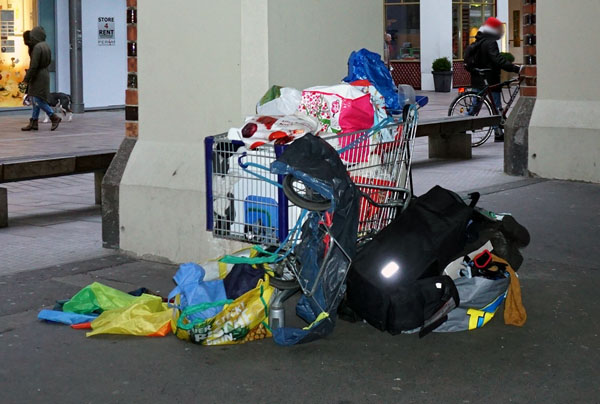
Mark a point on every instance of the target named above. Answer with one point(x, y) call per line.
point(471, 56)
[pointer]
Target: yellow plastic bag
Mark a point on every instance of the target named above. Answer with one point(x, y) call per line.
point(245, 319)
point(147, 317)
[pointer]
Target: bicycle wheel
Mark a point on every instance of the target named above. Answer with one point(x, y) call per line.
point(304, 196)
point(471, 103)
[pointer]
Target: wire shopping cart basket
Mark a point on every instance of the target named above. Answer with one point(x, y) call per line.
point(244, 207)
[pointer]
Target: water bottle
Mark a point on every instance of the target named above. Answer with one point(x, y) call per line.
point(406, 95)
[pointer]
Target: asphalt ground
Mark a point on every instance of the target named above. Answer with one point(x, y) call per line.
point(552, 359)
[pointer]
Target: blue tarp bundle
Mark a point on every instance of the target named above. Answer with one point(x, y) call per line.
point(367, 65)
point(319, 166)
point(194, 290)
point(64, 317)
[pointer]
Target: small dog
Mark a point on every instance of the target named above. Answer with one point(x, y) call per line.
point(61, 103)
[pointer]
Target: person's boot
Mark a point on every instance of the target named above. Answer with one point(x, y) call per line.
point(55, 119)
point(33, 125)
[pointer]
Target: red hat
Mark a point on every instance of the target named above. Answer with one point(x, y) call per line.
point(493, 22)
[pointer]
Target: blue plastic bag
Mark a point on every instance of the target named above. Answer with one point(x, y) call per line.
point(194, 290)
point(64, 317)
point(367, 65)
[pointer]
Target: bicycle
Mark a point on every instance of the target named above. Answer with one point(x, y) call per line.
point(481, 103)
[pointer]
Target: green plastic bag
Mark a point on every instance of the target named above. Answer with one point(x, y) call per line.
point(98, 297)
point(271, 94)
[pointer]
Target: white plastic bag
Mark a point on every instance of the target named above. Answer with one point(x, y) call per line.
point(273, 129)
point(286, 104)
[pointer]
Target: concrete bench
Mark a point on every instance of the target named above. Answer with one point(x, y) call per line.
point(19, 169)
point(448, 137)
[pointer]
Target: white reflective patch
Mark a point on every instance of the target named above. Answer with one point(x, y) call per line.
point(438, 285)
point(390, 269)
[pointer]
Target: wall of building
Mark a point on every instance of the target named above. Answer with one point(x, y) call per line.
point(104, 67)
point(502, 11)
point(564, 133)
point(310, 40)
point(203, 80)
point(436, 37)
point(63, 69)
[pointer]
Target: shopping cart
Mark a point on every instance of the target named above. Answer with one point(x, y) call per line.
point(244, 207)
point(246, 202)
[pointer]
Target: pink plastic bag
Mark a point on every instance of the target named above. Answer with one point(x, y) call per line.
point(340, 109)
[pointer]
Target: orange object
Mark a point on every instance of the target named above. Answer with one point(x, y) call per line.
point(163, 331)
point(277, 135)
point(256, 144)
point(82, 326)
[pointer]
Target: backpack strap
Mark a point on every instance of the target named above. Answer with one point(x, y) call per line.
point(452, 301)
point(474, 196)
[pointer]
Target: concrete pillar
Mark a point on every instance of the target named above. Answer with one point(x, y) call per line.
point(75, 38)
point(516, 137)
point(564, 132)
point(436, 37)
point(206, 82)
point(502, 8)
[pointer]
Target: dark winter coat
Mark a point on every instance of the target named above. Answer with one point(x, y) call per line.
point(489, 57)
point(38, 76)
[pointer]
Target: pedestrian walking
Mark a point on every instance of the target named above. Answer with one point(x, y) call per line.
point(37, 78)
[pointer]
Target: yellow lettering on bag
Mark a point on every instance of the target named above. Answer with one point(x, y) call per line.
point(478, 318)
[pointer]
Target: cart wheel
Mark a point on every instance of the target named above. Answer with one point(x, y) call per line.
point(283, 278)
point(303, 196)
point(284, 284)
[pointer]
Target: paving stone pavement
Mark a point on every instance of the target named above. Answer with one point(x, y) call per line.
point(51, 221)
point(92, 131)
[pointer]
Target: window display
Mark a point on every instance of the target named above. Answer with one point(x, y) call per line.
point(402, 24)
point(467, 17)
point(16, 17)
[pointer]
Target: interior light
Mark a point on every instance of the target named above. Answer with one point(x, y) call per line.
point(390, 269)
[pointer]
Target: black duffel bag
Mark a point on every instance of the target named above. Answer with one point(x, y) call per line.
point(395, 281)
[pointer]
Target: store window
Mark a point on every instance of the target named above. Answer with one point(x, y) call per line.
point(402, 23)
point(16, 16)
point(467, 17)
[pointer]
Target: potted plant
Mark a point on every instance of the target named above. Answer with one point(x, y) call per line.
point(442, 75)
point(504, 76)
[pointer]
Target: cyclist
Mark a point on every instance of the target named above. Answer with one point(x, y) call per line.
point(488, 56)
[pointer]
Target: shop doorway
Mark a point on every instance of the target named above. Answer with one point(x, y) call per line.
point(16, 17)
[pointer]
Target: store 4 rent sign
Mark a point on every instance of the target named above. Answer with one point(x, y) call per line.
point(106, 31)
